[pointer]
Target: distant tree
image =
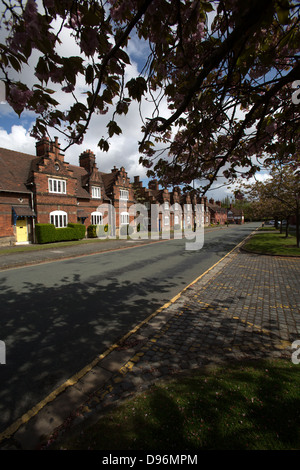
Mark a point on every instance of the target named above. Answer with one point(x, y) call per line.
point(279, 196)
point(228, 71)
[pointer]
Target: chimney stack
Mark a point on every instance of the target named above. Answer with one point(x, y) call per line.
point(153, 185)
point(42, 147)
point(87, 160)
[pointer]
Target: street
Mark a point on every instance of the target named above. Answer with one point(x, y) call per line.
point(56, 317)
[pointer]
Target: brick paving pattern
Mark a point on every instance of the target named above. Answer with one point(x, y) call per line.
point(248, 309)
point(245, 307)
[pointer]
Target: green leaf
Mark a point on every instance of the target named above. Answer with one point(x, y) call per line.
point(283, 16)
point(42, 68)
point(123, 56)
point(77, 112)
point(89, 74)
point(113, 128)
point(283, 10)
point(122, 107)
point(136, 88)
point(207, 7)
point(14, 63)
point(104, 145)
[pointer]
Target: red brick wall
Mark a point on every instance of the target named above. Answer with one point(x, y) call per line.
point(6, 227)
point(7, 201)
point(46, 202)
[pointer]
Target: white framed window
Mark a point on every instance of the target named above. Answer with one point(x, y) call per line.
point(124, 218)
point(96, 218)
point(59, 219)
point(167, 220)
point(124, 194)
point(96, 192)
point(166, 205)
point(176, 220)
point(57, 186)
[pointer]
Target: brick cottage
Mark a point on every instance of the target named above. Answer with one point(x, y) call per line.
point(44, 188)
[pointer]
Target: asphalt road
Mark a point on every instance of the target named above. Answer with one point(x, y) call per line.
point(55, 318)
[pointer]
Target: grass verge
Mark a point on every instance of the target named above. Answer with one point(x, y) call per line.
point(273, 243)
point(47, 246)
point(252, 406)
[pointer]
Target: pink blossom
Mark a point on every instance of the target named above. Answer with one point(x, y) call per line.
point(30, 10)
point(31, 20)
point(118, 12)
point(18, 98)
point(75, 20)
point(200, 32)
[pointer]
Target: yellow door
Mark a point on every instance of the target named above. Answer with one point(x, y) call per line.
point(22, 234)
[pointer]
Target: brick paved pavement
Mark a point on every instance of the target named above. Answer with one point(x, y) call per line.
point(246, 307)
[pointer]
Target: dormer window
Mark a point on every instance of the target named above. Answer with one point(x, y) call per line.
point(124, 195)
point(96, 192)
point(57, 186)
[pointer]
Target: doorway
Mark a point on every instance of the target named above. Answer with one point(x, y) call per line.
point(22, 230)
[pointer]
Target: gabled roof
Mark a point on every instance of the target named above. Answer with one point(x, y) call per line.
point(109, 181)
point(79, 173)
point(14, 170)
point(235, 211)
point(216, 208)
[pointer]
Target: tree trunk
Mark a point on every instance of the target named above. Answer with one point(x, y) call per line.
point(287, 227)
point(297, 225)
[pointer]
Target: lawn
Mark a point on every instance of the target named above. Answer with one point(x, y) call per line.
point(245, 406)
point(274, 243)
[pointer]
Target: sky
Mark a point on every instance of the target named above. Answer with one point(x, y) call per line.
point(15, 130)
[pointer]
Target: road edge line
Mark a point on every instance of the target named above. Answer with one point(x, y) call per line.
point(14, 427)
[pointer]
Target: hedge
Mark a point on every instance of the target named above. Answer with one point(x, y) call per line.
point(79, 229)
point(95, 231)
point(48, 233)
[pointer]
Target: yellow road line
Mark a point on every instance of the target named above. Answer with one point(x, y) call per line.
point(282, 344)
point(76, 377)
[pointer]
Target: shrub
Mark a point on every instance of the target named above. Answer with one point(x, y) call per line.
point(92, 231)
point(96, 231)
point(48, 233)
point(79, 229)
point(65, 234)
point(45, 233)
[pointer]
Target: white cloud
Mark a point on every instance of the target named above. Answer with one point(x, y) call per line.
point(124, 148)
point(18, 139)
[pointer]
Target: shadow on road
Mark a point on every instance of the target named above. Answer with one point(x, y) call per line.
point(50, 333)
